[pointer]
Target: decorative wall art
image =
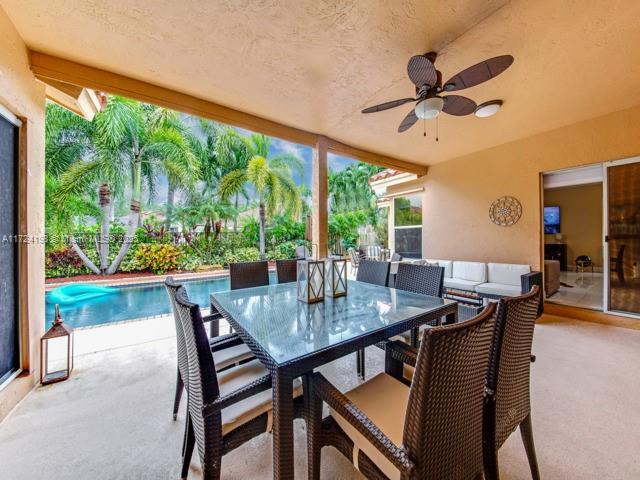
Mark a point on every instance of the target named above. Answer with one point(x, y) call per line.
point(505, 211)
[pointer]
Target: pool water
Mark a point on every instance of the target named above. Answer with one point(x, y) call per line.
point(132, 302)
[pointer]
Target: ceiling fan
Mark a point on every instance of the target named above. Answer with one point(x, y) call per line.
point(429, 87)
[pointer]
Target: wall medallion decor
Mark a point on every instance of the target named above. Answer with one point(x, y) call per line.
point(505, 211)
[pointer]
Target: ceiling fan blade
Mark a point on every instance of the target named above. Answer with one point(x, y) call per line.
point(388, 105)
point(408, 121)
point(480, 72)
point(421, 71)
point(458, 105)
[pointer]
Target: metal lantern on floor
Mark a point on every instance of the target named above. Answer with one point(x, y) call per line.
point(56, 351)
point(310, 280)
point(337, 283)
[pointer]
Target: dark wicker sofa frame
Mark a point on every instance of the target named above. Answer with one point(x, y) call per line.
point(443, 427)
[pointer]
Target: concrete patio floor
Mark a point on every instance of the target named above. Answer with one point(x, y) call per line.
point(112, 419)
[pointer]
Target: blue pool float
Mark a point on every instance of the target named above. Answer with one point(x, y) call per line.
point(78, 292)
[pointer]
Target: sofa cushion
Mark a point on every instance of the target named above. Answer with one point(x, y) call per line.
point(501, 289)
point(506, 273)
point(446, 264)
point(460, 284)
point(473, 271)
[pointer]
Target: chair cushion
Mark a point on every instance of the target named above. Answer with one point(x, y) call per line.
point(501, 289)
point(248, 409)
point(384, 400)
point(231, 356)
point(446, 264)
point(506, 273)
point(472, 271)
point(461, 284)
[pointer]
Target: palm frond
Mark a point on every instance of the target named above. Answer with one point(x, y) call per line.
point(232, 183)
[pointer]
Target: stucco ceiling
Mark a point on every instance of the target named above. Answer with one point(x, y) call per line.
point(315, 64)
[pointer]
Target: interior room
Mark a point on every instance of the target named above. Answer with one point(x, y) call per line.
point(573, 235)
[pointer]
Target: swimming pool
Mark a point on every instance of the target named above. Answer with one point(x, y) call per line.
point(132, 302)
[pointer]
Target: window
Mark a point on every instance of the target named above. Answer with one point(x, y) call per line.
point(408, 226)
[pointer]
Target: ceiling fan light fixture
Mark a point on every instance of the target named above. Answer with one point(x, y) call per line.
point(488, 109)
point(429, 108)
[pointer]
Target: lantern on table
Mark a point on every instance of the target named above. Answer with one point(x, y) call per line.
point(56, 348)
point(337, 273)
point(310, 280)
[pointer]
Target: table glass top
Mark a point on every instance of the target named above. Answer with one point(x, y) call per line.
point(287, 328)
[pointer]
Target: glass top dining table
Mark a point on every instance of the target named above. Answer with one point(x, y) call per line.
point(291, 337)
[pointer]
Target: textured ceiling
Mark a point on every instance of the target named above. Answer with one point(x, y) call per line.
point(315, 64)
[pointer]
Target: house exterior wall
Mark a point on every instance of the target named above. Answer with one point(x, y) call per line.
point(22, 95)
point(457, 193)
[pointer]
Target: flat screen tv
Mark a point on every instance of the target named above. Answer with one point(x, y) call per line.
point(552, 219)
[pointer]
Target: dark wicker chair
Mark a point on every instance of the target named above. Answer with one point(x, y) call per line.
point(370, 271)
point(225, 409)
point(249, 274)
point(373, 271)
point(423, 279)
point(286, 270)
point(429, 430)
point(507, 399)
point(233, 353)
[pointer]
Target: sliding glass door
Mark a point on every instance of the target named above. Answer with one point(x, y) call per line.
point(9, 327)
point(622, 236)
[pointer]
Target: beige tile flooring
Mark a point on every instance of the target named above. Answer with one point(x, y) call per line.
point(587, 291)
point(112, 419)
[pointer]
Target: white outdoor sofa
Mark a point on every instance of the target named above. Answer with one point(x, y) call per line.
point(473, 282)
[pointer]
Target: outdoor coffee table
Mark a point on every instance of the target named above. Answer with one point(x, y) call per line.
point(291, 337)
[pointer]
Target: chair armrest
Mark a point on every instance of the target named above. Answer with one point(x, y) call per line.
point(527, 281)
point(402, 352)
point(224, 341)
point(249, 390)
point(211, 317)
point(321, 387)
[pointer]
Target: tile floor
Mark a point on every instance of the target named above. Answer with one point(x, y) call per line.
point(587, 291)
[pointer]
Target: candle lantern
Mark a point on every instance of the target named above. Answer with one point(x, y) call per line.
point(337, 283)
point(310, 280)
point(56, 352)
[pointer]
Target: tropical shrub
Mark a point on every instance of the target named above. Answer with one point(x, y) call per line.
point(158, 258)
point(190, 260)
point(64, 263)
point(249, 254)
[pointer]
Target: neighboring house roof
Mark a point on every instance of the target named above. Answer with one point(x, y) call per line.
point(386, 173)
point(384, 179)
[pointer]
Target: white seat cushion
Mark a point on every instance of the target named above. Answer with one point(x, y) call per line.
point(506, 273)
point(501, 289)
point(446, 264)
point(384, 400)
point(461, 284)
point(473, 271)
point(248, 409)
point(231, 356)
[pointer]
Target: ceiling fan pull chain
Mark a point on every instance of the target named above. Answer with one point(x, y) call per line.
point(436, 129)
point(424, 127)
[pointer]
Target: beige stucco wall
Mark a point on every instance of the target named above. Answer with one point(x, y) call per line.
point(23, 96)
point(457, 194)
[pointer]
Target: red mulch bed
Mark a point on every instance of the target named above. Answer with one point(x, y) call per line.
point(115, 276)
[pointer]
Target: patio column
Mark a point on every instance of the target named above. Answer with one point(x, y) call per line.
point(320, 228)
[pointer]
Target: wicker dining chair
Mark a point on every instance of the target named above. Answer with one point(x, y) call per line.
point(229, 349)
point(249, 274)
point(225, 409)
point(287, 270)
point(423, 279)
point(507, 397)
point(377, 273)
point(431, 429)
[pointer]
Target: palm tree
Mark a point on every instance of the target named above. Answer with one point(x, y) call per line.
point(179, 156)
point(127, 145)
point(270, 178)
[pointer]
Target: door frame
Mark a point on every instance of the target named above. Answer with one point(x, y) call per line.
point(605, 233)
point(21, 252)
